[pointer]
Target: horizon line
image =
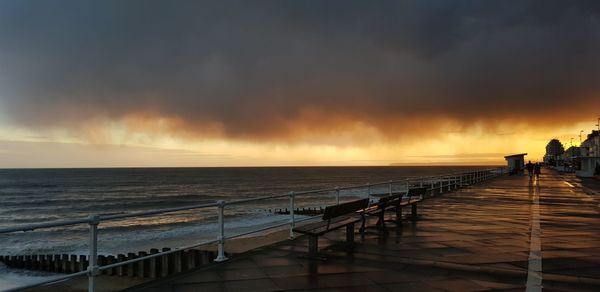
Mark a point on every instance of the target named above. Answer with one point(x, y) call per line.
point(256, 166)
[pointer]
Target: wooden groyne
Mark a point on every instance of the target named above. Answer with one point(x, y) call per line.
point(299, 211)
point(157, 267)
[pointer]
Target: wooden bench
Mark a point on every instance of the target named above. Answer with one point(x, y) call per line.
point(413, 197)
point(334, 217)
point(378, 209)
point(395, 202)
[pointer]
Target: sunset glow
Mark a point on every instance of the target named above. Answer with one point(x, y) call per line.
point(121, 145)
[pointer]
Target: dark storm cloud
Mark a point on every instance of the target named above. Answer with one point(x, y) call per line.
point(263, 69)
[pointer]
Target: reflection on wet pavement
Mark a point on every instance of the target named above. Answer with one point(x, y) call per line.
point(504, 234)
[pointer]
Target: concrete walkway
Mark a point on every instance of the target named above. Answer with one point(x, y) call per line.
point(509, 233)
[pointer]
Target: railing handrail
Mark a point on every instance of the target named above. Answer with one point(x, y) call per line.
point(102, 218)
point(94, 220)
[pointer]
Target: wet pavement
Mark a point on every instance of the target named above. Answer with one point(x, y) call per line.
point(508, 233)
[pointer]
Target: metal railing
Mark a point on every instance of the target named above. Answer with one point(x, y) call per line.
point(432, 183)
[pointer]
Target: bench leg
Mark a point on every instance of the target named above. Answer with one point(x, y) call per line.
point(381, 221)
point(350, 233)
point(399, 214)
point(313, 245)
point(414, 211)
point(362, 225)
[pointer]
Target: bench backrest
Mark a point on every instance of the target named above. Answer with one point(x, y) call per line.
point(417, 192)
point(345, 208)
point(391, 198)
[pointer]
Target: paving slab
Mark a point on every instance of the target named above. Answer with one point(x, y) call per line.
point(508, 233)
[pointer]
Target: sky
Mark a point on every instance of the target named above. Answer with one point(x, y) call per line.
point(274, 83)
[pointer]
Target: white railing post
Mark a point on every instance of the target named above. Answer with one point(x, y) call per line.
point(421, 183)
point(337, 195)
point(407, 185)
point(441, 185)
point(221, 237)
point(292, 222)
point(369, 190)
point(92, 269)
point(390, 187)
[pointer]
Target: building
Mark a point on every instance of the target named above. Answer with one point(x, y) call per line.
point(570, 159)
point(516, 163)
point(554, 150)
point(590, 155)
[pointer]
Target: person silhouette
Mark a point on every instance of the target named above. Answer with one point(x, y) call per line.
point(529, 166)
point(537, 170)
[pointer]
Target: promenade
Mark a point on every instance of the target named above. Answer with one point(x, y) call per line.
point(508, 233)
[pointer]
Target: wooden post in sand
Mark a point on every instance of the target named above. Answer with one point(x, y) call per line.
point(164, 263)
point(189, 259)
point(30, 262)
point(73, 263)
point(49, 263)
point(27, 262)
point(131, 267)
point(102, 262)
point(109, 261)
point(152, 272)
point(121, 269)
point(64, 263)
point(82, 265)
point(175, 262)
point(56, 263)
point(20, 261)
point(141, 271)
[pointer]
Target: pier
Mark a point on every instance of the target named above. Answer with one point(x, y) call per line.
point(507, 233)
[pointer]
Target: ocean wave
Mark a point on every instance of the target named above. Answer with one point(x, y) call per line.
point(13, 278)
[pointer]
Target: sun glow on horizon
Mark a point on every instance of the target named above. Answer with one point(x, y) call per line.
point(116, 144)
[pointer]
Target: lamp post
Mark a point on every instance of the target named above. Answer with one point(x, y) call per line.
point(598, 144)
point(580, 132)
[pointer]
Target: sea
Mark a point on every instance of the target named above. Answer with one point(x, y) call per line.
point(29, 196)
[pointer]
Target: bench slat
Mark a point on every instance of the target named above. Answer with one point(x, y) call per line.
point(320, 228)
point(345, 208)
